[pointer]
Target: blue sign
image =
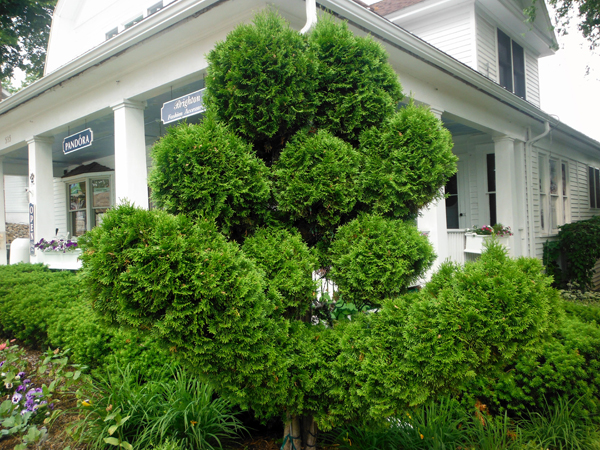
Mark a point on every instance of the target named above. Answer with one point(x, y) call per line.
point(78, 141)
point(182, 107)
point(31, 229)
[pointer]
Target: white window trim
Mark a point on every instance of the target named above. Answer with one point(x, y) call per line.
point(545, 197)
point(87, 177)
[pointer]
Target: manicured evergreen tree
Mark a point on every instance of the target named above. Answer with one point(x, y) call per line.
point(302, 166)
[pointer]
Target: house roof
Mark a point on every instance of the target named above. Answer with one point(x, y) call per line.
point(386, 7)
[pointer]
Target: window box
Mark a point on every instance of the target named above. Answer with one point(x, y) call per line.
point(59, 260)
point(474, 242)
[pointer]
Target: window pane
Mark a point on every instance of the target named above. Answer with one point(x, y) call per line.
point(101, 193)
point(491, 172)
point(78, 225)
point(452, 212)
point(518, 69)
point(554, 211)
point(565, 208)
point(592, 189)
point(564, 179)
point(77, 195)
point(597, 186)
point(98, 215)
point(452, 186)
point(493, 219)
point(553, 177)
point(504, 60)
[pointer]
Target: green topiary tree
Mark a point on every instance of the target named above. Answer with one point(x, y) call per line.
point(247, 315)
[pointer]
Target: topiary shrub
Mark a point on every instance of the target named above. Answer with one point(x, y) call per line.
point(241, 313)
point(374, 258)
point(261, 81)
point(406, 162)
point(206, 170)
point(356, 87)
point(288, 264)
point(316, 182)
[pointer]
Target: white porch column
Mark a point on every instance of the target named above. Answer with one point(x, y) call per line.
point(3, 261)
point(507, 209)
point(432, 219)
point(131, 174)
point(41, 187)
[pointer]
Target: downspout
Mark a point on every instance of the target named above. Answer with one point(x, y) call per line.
point(311, 16)
point(528, 153)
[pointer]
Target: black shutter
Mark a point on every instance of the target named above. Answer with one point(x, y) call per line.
point(518, 69)
point(505, 61)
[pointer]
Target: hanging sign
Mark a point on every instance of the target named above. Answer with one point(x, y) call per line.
point(182, 107)
point(78, 141)
point(31, 229)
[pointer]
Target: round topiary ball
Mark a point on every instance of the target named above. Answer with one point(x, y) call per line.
point(261, 81)
point(407, 160)
point(357, 87)
point(288, 264)
point(374, 258)
point(316, 180)
point(206, 170)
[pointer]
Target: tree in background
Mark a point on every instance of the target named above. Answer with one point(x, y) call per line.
point(304, 165)
point(24, 31)
point(587, 12)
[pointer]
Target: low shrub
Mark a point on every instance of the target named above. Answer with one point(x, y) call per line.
point(41, 308)
point(579, 244)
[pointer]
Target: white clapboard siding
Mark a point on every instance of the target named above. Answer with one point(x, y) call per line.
point(486, 48)
point(532, 79)
point(450, 30)
point(60, 206)
point(16, 199)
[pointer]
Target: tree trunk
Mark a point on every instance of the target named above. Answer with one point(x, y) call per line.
point(292, 431)
point(301, 433)
point(310, 433)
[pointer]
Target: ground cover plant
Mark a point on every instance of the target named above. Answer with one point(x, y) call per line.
point(289, 175)
point(30, 394)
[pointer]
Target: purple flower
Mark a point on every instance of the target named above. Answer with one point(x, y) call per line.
point(21, 374)
point(21, 388)
point(2, 363)
point(27, 381)
point(16, 398)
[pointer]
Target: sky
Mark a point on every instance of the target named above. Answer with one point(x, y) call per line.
point(566, 91)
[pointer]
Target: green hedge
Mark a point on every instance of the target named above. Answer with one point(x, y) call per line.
point(46, 308)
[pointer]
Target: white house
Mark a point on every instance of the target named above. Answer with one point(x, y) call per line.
point(111, 66)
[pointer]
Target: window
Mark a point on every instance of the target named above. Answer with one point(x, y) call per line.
point(594, 183)
point(112, 33)
point(452, 203)
point(89, 199)
point(554, 193)
point(511, 64)
point(133, 22)
point(155, 8)
point(491, 184)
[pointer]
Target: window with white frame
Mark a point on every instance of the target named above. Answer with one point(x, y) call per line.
point(555, 209)
point(491, 186)
point(89, 199)
point(594, 184)
point(511, 64)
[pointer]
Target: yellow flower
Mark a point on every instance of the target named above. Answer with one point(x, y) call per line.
point(86, 403)
point(421, 435)
point(193, 422)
